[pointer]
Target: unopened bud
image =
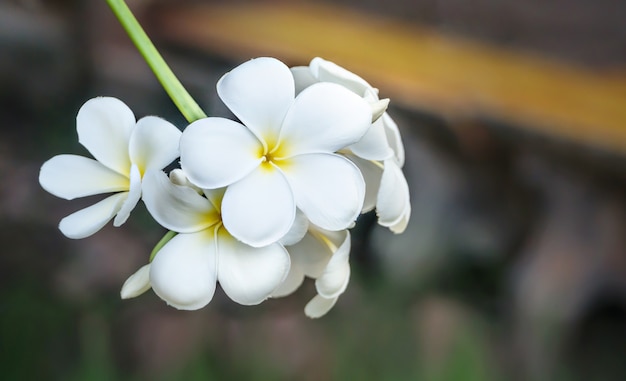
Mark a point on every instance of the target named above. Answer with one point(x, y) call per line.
point(378, 108)
point(136, 284)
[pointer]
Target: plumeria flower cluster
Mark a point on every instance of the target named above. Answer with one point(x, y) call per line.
point(258, 203)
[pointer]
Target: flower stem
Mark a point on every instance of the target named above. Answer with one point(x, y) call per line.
point(166, 238)
point(185, 103)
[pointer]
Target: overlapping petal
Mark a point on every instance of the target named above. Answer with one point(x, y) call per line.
point(249, 275)
point(311, 255)
point(373, 145)
point(393, 202)
point(328, 188)
point(260, 208)
point(394, 138)
point(290, 284)
point(322, 255)
point(177, 207)
point(325, 117)
point(327, 71)
point(87, 221)
point(298, 230)
point(372, 172)
point(215, 196)
point(184, 271)
point(132, 198)
point(259, 92)
point(400, 225)
point(216, 152)
point(153, 143)
point(336, 275)
point(72, 176)
point(319, 306)
point(303, 77)
point(104, 126)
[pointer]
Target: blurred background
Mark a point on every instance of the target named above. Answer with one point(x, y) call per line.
point(513, 267)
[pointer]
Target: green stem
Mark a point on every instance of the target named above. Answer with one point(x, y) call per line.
point(185, 103)
point(177, 92)
point(166, 238)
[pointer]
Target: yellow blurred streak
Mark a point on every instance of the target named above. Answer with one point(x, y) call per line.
point(415, 67)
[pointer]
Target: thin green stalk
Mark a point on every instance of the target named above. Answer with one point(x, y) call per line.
point(177, 92)
point(185, 103)
point(166, 238)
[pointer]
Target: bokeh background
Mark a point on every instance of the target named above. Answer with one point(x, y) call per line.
point(513, 266)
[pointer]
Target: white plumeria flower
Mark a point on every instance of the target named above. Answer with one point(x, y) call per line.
point(379, 154)
point(282, 156)
point(185, 270)
point(324, 256)
point(124, 150)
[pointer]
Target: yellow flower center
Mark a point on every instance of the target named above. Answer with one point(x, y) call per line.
point(272, 153)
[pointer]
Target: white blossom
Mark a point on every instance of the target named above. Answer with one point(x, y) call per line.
point(282, 156)
point(324, 256)
point(379, 154)
point(123, 150)
point(185, 270)
point(259, 204)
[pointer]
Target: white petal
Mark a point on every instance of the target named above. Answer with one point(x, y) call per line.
point(324, 118)
point(184, 271)
point(373, 145)
point(333, 239)
point(104, 125)
point(400, 226)
point(71, 176)
point(328, 71)
point(154, 144)
point(311, 254)
point(87, 221)
point(372, 172)
point(394, 138)
point(294, 280)
point(176, 207)
point(260, 208)
point(216, 152)
point(328, 188)
point(248, 275)
point(298, 229)
point(136, 284)
point(319, 306)
point(393, 204)
point(259, 92)
point(335, 277)
point(215, 196)
point(134, 195)
point(303, 77)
